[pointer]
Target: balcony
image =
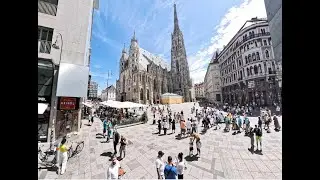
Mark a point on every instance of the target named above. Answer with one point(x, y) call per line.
point(48, 7)
point(44, 46)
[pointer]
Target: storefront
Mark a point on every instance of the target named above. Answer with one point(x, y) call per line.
point(67, 116)
point(45, 76)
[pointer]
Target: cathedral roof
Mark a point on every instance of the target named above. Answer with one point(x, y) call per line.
point(143, 61)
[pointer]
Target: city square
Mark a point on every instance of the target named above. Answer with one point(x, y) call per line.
point(125, 73)
point(223, 155)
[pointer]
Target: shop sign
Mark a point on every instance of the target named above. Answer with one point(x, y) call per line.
point(68, 103)
point(43, 99)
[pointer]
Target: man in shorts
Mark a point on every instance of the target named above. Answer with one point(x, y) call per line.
point(258, 132)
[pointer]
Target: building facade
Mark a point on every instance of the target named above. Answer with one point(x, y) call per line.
point(144, 77)
point(248, 67)
point(93, 90)
point(109, 94)
point(212, 81)
point(199, 90)
point(274, 15)
point(63, 61)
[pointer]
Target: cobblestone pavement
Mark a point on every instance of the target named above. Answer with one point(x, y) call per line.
point(223, 155)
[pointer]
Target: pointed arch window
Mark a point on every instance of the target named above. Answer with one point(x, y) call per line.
point(253, 56)
point(141, 94)
point(258, 55)
point(148, 94)
point(255, 69)
point(267, 54)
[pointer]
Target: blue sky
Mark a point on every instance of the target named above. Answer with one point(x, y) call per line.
point(206, 25)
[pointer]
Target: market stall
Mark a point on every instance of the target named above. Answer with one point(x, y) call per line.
point(170, 98)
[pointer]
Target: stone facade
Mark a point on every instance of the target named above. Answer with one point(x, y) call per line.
point(199, 90)
point(212, 81)
point(248, 68)
point(144, 77)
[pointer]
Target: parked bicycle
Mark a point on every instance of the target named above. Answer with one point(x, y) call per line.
point(72, 152)
point(43, 158)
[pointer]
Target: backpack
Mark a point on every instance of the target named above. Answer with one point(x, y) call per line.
point(259, 132)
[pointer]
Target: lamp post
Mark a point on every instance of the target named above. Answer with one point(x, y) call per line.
point(55, 46)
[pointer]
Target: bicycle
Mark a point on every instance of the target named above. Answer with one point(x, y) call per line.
point(43, 158)
point(77, 150)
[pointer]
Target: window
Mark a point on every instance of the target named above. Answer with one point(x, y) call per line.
point(248, 72)
point(265, 42)
point(45, 39)
point(253, 56)
point(260, 68)
point(48, 7)
point(246, 58)
point(267, 54)
point(255, 70)
point(240, 62)
point(251, 70)
point(263, 31)
point(249, 57)
point(255, 43)
point(247, 46)
point(270, 71)
point(269, 40)
point(141, 94)
point(258, 56)
point(148, 94)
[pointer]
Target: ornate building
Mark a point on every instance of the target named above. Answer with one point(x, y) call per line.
point(248, 68)
point(212, 81)
point(144, 76)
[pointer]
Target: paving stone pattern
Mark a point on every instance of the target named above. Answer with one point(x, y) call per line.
point(223, 155)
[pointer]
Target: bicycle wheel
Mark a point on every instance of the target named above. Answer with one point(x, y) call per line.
point(70, 153)
point(79, 147)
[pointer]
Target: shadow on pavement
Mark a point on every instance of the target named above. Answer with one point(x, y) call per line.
point(191, 158)
point(161, 134)
point(156, 133)
point(48, 168)
point(204, 131)
point(87, 124)
point(178, 137)
point(108, 154)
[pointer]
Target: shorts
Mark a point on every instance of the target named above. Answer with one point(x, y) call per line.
point(258, 138)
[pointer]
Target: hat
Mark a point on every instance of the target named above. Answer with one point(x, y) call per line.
point(160, 153)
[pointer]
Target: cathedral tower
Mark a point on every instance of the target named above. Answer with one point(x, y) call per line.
point(179, 64)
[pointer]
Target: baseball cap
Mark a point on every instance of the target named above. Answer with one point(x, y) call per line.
point(160, 153)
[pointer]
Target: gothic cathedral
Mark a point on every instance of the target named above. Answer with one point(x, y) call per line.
point(144, 77)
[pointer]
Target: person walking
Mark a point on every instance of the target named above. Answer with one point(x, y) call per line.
point(116, 140)
point(170, 170)
point(181, 166)
point(173, 125)
point(276, 123)
point(258, 132)
point(183, 127)
point(160, 165)
point(251, 136)
point(159, 126)
point(123, 144)
point(165, 126)
point(63, 157)
point(104, 123)
point(113, 169)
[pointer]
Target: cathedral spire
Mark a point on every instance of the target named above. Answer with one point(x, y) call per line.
point(124, 48)
point(134, 36)
point(176, 22)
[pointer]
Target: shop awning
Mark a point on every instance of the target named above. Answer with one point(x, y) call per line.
point(42, 107)
point(87, 104)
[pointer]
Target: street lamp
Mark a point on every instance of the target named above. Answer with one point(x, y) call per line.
point(55, 46)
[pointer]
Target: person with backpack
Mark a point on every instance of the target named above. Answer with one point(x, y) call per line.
point(251, 136)
point(170, 170)
point(258, 132)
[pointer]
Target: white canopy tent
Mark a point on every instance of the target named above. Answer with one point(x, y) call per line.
point(42, 107)
point(118, 104)
point(87, 104)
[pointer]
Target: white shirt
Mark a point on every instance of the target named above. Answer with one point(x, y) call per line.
point(113, 171)
point(180, 167)
point(160, 165)
point(188, 124)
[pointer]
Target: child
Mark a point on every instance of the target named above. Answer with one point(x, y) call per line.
point(191, 146)
point(123, 144)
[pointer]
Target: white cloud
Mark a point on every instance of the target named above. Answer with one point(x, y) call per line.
point(227, 28)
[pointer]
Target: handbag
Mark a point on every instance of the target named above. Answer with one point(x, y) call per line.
point(121, 171)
